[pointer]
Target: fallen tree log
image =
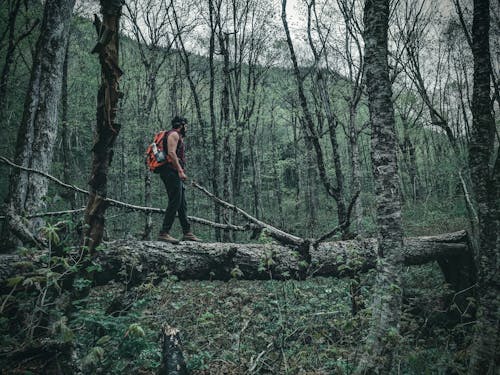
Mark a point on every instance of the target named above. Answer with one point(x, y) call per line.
point(134, 262)
point(222, 261)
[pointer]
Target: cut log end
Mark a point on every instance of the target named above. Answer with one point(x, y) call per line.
point(172, 358)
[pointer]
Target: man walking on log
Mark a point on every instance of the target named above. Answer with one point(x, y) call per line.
point(173, 176)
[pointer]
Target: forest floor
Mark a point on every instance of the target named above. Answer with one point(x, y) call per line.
point(266, 327)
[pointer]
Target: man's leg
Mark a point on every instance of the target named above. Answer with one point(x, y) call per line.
point(174, 191)
point(186, 227)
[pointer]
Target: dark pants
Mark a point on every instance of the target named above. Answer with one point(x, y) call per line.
point(176, 200)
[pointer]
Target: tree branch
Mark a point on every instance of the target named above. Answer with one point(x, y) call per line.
point(118, 204)
point(276, 233)
point(341, 226)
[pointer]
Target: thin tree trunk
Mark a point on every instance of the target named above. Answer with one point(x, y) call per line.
point(484, 356)
point(107, 129)
point(184, 55)
point(386, 307)
point(70, 196)
point(256, 186)
point(355, 171)
point(309, 126)
point(37, 132)
point(213, 121)
point(226, 148)
point(12, 43)
point(332, 128)
point(276, 177)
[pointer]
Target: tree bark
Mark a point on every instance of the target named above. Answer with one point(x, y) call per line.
point(382, 340)
point(219, 261)
point(172, 358)
point(66, 154)
point(37, 132)
point(484, 356)
point(226, 126)
point(213, 120)
point(107, 130)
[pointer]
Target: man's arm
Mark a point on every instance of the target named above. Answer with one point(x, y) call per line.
point(172, 141)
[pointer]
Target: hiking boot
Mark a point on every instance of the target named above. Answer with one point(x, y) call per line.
point(165, 237)
point(189, 236)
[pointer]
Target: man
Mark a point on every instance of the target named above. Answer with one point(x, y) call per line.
point(172, 174)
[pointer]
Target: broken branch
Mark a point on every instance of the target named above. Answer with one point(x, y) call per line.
point(276, 233)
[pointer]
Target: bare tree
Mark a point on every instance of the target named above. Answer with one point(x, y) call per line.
point(107, 129)
point(386, 307)
point(213, 120)
point(311, 132)
point(151, 29)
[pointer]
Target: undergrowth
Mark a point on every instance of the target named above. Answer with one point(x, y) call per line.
point(263, 327)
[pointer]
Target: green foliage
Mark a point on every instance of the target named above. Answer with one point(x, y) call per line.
point(50, 233)
point(116, 343)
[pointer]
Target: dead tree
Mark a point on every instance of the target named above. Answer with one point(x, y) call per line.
point(133, 261)
point(107, 129)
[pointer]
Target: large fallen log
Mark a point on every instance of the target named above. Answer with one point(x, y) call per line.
point(134, 262)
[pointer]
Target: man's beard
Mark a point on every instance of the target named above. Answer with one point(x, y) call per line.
point(183, 131)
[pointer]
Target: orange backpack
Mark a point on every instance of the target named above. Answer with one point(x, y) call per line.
point(156, 156)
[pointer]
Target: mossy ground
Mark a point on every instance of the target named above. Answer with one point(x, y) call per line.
point(264, 327)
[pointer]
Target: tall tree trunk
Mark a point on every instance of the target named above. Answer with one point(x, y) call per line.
point(38, 129)
point(107, 129)
point(485, 180)
point(408, 150)
point(310, 190)
point(355, 169)
point(226, 125)
point(278, 194)
point(146, 116)
point(332, 129)
point(256, 185)
point(9, 54)
point(213, 120)
point(70, 196)
point(184, 55)
point(386, 308)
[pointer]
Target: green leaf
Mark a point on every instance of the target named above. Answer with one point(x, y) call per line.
point(236, 272)
point(135, 330)
point(13, 281)
point(103, 340)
